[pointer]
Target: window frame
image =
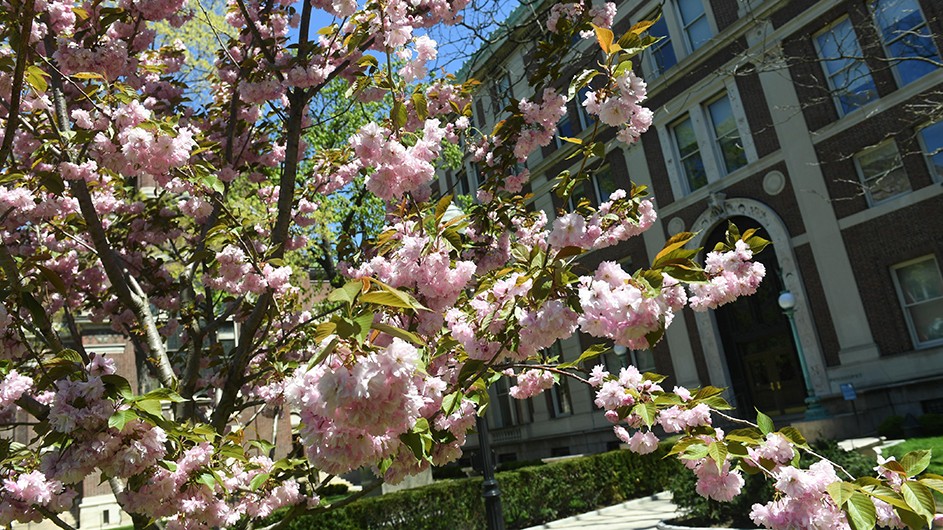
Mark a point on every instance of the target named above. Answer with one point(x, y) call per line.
point(935, 176)
point(833, 90)
point(685, 178)
point(885, 45)
point(688, 44)
point(715, 140)
point(859, 168)
point(905, 306)
point(656, 69)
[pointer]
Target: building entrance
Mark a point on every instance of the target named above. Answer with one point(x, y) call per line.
point(758, 346)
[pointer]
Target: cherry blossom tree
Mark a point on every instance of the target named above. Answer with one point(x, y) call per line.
point(123, 202)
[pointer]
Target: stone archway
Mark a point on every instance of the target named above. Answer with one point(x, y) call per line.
point(711, 344)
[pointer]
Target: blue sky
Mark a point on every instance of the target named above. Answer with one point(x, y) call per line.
point(456, 43)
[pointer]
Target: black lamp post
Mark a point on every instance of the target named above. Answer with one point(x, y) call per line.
point(814, 409)
point(489, 487)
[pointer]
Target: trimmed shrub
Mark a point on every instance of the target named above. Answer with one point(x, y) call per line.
point(891, 426)
point(529, 496)
point(700, 511)
point(931, 424)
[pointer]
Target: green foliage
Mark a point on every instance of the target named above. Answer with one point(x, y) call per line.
point(891, 426)
point(530, 496)
point(934, 444)
point(931, 424)
point(756, 489)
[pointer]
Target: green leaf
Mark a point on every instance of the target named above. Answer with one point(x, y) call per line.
point(676, 242)
point(120, 418)
point(840, 492)
point(718, 453)
point(751, 436)
point(590, 353)
point(347, 293)
point(163, 394)
point(646, 411)
point(579, 82)
point(576, 141)
point(793, 435)
point(861, 513)
point(920, 499)
point(764, 422)
point(441, 207)
point(419, 102)
point(398, 115)
point(36, 78)
point(398, 332)
point(391, 296)
point(324, 330)
point(932, 482)
point(258, 480)
point(118, 384)
point(150, 406)
point(208, 480)
point(915, 462)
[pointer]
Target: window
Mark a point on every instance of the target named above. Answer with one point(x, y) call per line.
point(882, 172)
point(586, 119)
point(661, 54)
point(692, 165)
point(697, 29)
point(509, 411)
point(501, 93)
point(848, 76)
point(726, 135)
point(907, 40)
point(564, 129)
point(920, 288)
point(558, 397)
point(931, 139)
point(604, 183)
point(644, 360)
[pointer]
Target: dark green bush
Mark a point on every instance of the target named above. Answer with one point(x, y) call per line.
point(891, 426)
point(332, 490)
point(518, 464)
point(756, 488)
point(931, 424)
point(530, 496)
point(444, 472)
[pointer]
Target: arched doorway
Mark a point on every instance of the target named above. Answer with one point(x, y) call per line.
point(758, 347)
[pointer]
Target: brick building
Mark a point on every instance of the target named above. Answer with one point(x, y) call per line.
point(821, 124)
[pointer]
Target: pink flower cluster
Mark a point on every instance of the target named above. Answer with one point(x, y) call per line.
point(532, 382)
point(615, 393)
point(398, 169)
point(805, 504)
point(731, 274)
point(12, 387)
point(20, 496)
point(422, 264)
point(615, 306)
point(620, 107)
point(188, 504)
point(718, 484)
point(600, 230)
point(540, 119)
point(354, 407)
point(236, 276)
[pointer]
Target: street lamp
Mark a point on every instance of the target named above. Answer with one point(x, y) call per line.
point(489, 487)
point(814, 409)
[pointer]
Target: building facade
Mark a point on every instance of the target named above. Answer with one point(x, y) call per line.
point(820, 123)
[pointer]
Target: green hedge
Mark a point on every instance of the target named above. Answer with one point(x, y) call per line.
point(530, 496)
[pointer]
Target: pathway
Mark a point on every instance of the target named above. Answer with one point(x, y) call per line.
point(638, 514)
